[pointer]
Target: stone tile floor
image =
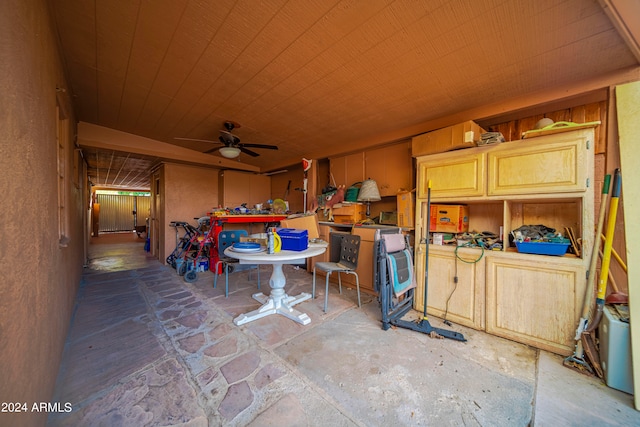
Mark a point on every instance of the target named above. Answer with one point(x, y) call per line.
point(146, 348)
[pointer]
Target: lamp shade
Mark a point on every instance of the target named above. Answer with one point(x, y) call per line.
point(229, 152)
point(369, 191)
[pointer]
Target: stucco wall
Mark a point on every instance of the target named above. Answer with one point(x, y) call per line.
point(189, 192)
point(39, 278)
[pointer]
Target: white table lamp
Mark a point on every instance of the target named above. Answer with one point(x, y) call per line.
point(369, 193)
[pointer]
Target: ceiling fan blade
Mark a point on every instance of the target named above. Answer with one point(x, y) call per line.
point(211, 150)
point(195, 139)
point(268, 147)
point(249, 152)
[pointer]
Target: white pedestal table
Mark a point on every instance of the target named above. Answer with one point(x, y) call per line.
point(277, 302)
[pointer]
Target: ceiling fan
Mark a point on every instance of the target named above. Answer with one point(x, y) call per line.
point(232, 145)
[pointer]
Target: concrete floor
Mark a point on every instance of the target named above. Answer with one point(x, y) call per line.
point(146, 348)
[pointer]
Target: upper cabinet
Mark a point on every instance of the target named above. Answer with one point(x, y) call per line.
point(347, 170)
point(544, 165)
point(553, 166)
point(459, 175)
point(391, 167)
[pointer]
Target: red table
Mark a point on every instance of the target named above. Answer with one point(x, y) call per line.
point(217, 224)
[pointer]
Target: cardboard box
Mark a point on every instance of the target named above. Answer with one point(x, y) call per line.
point(449, 218)
point(462, 135)
point(406, 209)
point(307, 222)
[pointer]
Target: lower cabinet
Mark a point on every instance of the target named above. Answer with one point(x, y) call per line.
point(365, 260)
point(535, 300)
point(460, 301)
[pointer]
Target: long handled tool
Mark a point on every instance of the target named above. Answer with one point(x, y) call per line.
point(423, 324)
point(576, 360)
point(615, 254)
point(588, 339)
point(615, 297)
point(286, 193)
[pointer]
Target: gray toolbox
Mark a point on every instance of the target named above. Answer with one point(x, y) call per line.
point(615, 348)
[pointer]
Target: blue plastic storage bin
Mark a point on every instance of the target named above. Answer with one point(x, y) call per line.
point(293, 239)
point(542, 248)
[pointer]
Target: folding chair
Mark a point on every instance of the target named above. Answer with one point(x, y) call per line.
point(347, 263)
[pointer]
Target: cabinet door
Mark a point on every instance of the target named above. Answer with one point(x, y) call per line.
point(366, 258)
point(461, 302)
point(535, 300)
point(391, 168)
point(452, 175)
point(347, 170)
point(540, 166)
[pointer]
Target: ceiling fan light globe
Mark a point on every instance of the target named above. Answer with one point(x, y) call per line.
point(229, 152)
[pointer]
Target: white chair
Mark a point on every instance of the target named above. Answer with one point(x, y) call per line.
point(347, 263)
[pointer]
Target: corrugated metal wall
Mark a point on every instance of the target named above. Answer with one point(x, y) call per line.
point(144, 208)
point(116, 211)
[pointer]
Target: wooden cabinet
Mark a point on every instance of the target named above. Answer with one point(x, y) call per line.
point(533, 299)
point(347, 170)
point(461, 175)
point(558, 166)
point(459, 300)
point(365, 259)
point(536, 300)
point(391, 167)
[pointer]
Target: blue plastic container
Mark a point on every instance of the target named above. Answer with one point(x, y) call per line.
point(293, 239)
point(203, 264)
point(179, 262)
point(542, 248)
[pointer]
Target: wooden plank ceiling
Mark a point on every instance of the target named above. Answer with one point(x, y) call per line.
point(117, 169)
point(318, 77)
